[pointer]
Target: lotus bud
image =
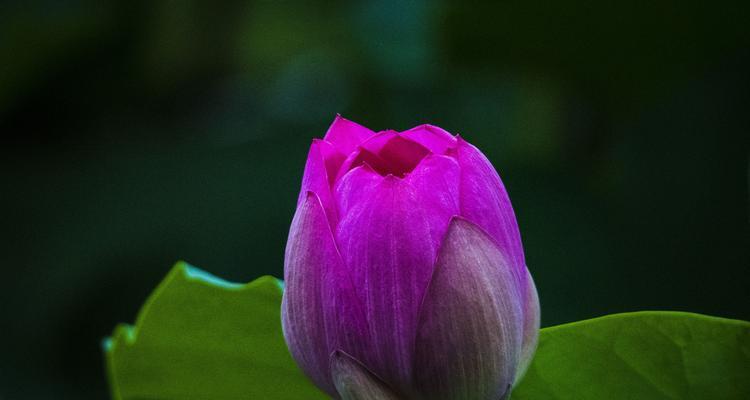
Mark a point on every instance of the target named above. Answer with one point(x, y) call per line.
point(405, 274)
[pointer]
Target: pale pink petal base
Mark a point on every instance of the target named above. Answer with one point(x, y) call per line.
point(469, 340)
point(355, 382)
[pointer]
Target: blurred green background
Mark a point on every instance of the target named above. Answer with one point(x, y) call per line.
point(139, 133)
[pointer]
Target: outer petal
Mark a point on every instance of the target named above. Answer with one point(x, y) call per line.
point(382, 241)
point(485, 201)
point(323, 159)
point(309, 250)
point(355, 382)
point(346, 135)
point(343, 311)
point(470, 327)
point(432, 137)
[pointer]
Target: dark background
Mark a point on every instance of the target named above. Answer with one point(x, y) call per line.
point(138, 133)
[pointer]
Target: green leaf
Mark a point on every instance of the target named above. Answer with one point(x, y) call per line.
point(198, 337)
point(642, 355)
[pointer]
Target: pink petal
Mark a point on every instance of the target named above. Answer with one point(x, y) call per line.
point(469, 338)
point(346, 135)
point(432, 137)
point(376, 142)
point(333, 159)
point(382, 242)
point(346, 324)
point(323, 160)
point(310, 250)
point(352, 189)
point(320, 309)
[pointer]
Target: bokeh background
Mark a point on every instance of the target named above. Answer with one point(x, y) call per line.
point(138, 133)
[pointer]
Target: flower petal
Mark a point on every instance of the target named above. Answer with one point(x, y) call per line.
point(346, 135)
point(352, 189)
point(375, 143)
point(332, 158)
point(485, 201)
point(432, 137)
point(309, 250)
point(382, 242)
point(355, 382)
point(322, 160)
point(436, 183)
point(343, 311)
point(470, 327)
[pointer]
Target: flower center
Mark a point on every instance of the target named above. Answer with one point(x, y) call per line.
point(395, 155)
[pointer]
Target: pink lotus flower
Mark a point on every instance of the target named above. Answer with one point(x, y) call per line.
point(405, 273)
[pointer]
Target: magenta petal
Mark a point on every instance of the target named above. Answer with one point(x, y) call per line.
point(375, 143)
point(310, 249)
point(332, 158)
point(436, 182)
point(322, 159)
point(432, 137)
point(382, 242)
point(346, 135)
point(469, 338)
point(355, 382)
point(485, 201)
point(352, 189)
point(344, 311)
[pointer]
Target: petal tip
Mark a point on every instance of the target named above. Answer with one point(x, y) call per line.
point(439, 131)
point(353, 380)
point(346, 134)
point(339, 118)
